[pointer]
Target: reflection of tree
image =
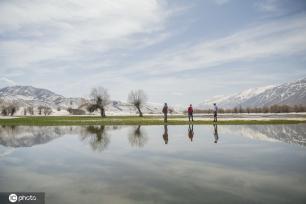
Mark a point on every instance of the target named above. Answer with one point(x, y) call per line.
point(97, 137)
point(165, 135)
point(137, 137)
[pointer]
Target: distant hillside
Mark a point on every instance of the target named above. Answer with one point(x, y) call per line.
point(293, 93)
point(31, 96)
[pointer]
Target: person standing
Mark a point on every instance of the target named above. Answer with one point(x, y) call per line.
point(190, 113)
point(215, 112)
point(165, 112)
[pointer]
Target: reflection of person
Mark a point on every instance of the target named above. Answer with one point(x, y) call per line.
point(165, 135)
point(216, 133)
point(165, 112)
point(190, 113)
point(215, 112)
point(190, 132)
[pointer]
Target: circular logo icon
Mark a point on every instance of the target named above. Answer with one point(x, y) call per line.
point(12, 198)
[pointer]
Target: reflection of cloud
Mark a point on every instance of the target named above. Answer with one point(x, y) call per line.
point(4, 151)
point(157, 179)
point(231, 173)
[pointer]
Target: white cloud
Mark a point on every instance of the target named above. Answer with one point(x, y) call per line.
point(6, 82)
point(267, 5)
point(221, 2)
point(52, 30)
point(279, 38)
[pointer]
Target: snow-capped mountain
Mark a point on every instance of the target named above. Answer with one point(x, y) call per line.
point(29, 93)
point(26, 96)
point(293, 93)
point(235, 99)
point(31, 96)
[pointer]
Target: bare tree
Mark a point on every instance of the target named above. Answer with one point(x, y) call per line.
point(44, 109)
point(9, 108)
point(99, 99)
point(47, 110)
point(138, 98)
point(40, 108)
point(30, 109)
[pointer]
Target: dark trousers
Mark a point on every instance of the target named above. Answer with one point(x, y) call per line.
point(190, 116)
point(215, 117)
point(165, 117)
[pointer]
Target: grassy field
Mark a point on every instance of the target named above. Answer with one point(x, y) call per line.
point(128, 120)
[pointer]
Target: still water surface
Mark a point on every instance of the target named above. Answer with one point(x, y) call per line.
point(156, 164)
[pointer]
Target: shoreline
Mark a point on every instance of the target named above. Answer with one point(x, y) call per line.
point(146, 120)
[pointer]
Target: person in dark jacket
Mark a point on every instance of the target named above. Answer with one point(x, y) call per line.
point(165, 112)
point(190, 113)
point(215, 112)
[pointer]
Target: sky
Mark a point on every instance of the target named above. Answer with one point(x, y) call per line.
point(177, 51)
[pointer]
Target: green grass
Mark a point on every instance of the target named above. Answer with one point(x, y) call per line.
point(127, 120)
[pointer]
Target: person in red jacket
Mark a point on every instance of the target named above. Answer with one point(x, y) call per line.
point(190, 113)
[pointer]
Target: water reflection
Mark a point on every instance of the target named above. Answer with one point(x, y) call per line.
point(97, 137)
point(165, 135)
point(216, 136)
point(27, 136)
point(137, 137)
point(190, 132)
point(240, 170)
point(292, 134)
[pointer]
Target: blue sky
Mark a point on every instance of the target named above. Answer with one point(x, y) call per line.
point(177, 51)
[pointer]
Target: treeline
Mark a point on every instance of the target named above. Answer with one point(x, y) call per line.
point(265, 109)
point(99, 99)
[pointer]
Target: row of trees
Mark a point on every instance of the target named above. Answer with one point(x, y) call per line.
point(9, 108)
point(265, 109)
point(99, 99)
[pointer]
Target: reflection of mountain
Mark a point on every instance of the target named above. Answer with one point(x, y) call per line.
point(292, 134)
point(27, 136)
point(22, 136)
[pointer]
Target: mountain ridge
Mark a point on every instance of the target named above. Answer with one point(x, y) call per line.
point(289, 93)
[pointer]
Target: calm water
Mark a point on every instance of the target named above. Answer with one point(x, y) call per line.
point(156, 164)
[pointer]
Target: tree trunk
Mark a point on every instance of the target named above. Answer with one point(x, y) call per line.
point(102, 111)
point(140, 113)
